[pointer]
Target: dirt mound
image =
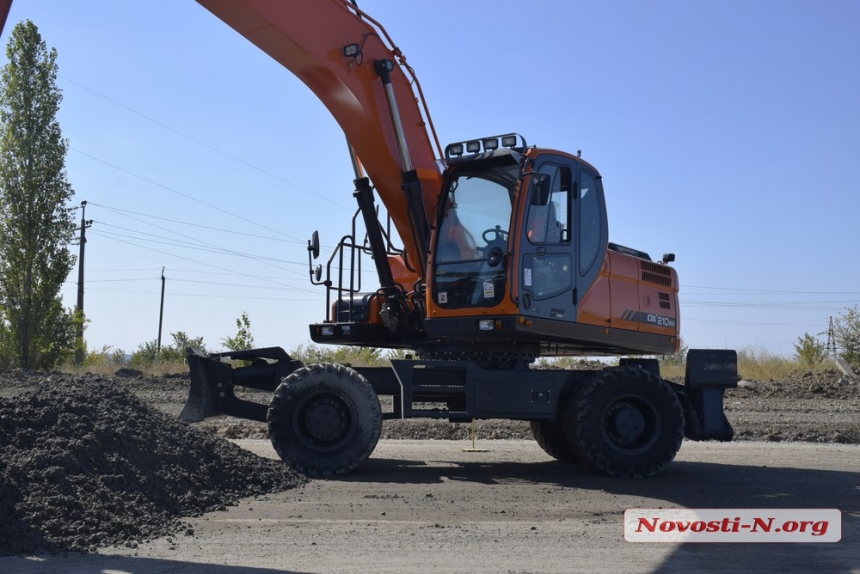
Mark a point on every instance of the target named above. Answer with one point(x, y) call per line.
point(84, 463)
point(830, 384)
point(809, 406)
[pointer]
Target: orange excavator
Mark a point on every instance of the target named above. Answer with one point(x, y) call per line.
point(504, 257)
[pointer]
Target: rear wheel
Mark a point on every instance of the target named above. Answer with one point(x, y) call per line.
point(551, 438)
point(625, 422)
point(324, 419)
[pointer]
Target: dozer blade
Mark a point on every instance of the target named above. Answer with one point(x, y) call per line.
point(193, 409)
point(213, 380)
point(200, 403)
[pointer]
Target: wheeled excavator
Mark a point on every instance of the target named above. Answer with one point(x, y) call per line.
point(503, 257)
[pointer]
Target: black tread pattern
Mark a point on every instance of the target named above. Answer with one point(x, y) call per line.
point(551, 438)
point(582, 422)
point(349, 386)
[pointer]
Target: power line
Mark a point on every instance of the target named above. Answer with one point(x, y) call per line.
point(745, 323)
point(185, 195)
point(191, 244)
point(195, 243)
point(788, 305)
point(746, 291)
point(208, 295)
point(119, 211)
point(202, 263)
point(204, 144)
point(213, 249)
point(123, 212)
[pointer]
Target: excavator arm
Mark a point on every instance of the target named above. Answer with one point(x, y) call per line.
point(4, 13)
point(309, 37)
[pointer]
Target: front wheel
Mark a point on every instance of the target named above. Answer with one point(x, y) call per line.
point(625, 422)
point(324, 419)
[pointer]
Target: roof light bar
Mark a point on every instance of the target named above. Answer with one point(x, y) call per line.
point(487, 145)
point(454, 150)
point(491, 143)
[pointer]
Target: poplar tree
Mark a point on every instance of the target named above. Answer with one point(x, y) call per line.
point(36, 222)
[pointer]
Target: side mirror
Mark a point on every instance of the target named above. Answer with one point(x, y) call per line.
point(314, 245)
point(495, 256)
point(318, 273)
point(540, 189)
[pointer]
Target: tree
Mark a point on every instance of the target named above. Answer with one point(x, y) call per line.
point(846, 331)
point(810, 351)
point(181, 342)
point(148, 353)
point(36, 224)
point(243, 340)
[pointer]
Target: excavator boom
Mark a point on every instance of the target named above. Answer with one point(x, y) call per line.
point(349, 86)
point(4, 13)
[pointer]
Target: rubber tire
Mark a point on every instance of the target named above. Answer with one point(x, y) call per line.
point(587, 423)
point(730, 430)
point(307, 395)
point(551, 437)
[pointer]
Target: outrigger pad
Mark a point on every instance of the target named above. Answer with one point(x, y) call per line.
point(709, 373)
point(711, 369)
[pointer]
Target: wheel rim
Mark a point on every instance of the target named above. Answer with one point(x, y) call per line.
point(325, 421)
point(631, 424)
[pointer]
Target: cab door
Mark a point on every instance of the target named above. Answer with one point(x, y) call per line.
point(563, 230)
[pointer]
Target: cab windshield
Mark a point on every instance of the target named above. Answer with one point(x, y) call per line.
point(473, 237)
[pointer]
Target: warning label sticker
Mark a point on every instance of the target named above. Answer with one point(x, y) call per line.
point(489, 290)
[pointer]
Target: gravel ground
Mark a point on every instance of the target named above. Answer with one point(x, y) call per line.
point(90, 461)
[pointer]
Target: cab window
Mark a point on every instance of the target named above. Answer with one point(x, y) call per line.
point(550, 222)
point(475, 222)
point(589, 221)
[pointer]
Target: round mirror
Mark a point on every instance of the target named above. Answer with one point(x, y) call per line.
point(314, 245)
point(318, 272)
point(495, 256)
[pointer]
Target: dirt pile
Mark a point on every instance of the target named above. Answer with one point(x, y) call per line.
point(84, 463)
point(809, 406)
point(800, 385)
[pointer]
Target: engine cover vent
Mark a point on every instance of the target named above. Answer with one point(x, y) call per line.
point(656, 274)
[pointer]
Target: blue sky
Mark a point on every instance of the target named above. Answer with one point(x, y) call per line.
point(726, 132)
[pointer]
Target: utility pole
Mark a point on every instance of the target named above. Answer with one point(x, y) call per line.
point(160, 315)
point(831, 340)
point(79, 338)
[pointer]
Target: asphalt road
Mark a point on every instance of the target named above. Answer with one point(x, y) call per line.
point(428, 506)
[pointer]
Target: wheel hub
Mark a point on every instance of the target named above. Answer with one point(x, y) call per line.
point(627, 422)
point(325, 419)
point(631, 425)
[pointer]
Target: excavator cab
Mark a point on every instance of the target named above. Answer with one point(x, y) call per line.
point(521, 239)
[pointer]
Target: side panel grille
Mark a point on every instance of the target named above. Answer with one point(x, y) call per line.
point(656, 274)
